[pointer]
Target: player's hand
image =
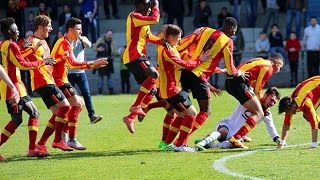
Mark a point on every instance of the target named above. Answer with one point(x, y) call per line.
point(99, 62)
point(281, 143)
point(15, 96)
point(219, 70)
point(216, 92)
point(266, 112)
point(26, 43)
point(198, 31)
point(50, 61)
point(205, 56)
point(244, 75)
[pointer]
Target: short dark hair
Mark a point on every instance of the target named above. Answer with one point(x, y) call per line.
point(41, 20)
point(140, 2)
point(285, 104)
point(276, 57)
point(173, 30)
point(72, 22)
point(273, 90)
point(230, 22)
point(313, 17)
point(5, 25)
point(275, 25)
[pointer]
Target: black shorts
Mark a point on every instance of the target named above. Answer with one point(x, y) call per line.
point(180, 102)
point(68, 90)
point(51, 94)
point(17, 108)
point(198, 87)
point(239, 89)
point(168, 107)
point(137, 67)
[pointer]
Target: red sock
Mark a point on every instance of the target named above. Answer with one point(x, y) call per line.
point(66, 127)
point(174, 129)
point(48, 131)
point(59, 122)
point(73, 120)
point(145, 88)
point(185, 129)
point(33, 132)
point(146, 100)
point(246, 128)
point(166, 125)
point(161, 103)
point(8, 130)
point(200, 120)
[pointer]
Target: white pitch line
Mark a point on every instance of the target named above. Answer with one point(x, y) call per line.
point(219, 164)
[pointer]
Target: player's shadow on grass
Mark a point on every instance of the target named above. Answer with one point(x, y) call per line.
point(84, 154)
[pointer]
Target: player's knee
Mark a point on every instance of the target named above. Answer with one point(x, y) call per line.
point(17, 120)
point(191, 111)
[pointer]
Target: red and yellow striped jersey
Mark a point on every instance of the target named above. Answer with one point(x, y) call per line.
point(138, 33)
point(219, 46)
point(307, 97)
point(63, 53)
point(42, 76)
point(169, 65)
point(12, 62)
point(260, 71)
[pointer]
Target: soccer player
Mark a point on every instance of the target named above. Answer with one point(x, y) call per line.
point(304, 98)
point(248, 92)
point(169, 66)
point(219, 45)
point(63, 53)
point(13, 61)
point(230, 125)
point(43, 83)
point(138, 33)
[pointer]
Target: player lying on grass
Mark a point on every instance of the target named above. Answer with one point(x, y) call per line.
point(304, 98)
point(230, 125)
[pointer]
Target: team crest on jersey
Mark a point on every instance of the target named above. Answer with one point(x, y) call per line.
point(185, 103)
point(59, 95)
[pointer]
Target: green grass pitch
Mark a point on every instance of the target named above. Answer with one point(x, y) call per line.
point(113, 153)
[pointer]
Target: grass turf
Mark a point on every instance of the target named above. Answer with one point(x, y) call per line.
point(114, 153)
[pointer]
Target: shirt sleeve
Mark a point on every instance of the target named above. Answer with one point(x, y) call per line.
point(140, 20)
point(268, 120)
point(174, 59)
point(153, 39)
point(71, 59)
point(18, 60)
point(287, 119)
point(228, 59)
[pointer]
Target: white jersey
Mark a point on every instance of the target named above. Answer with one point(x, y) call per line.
point(239, 117)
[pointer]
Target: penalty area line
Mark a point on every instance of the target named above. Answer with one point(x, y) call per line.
point(219, 164)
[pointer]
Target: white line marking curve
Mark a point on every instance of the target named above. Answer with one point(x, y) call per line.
point(219, 164)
